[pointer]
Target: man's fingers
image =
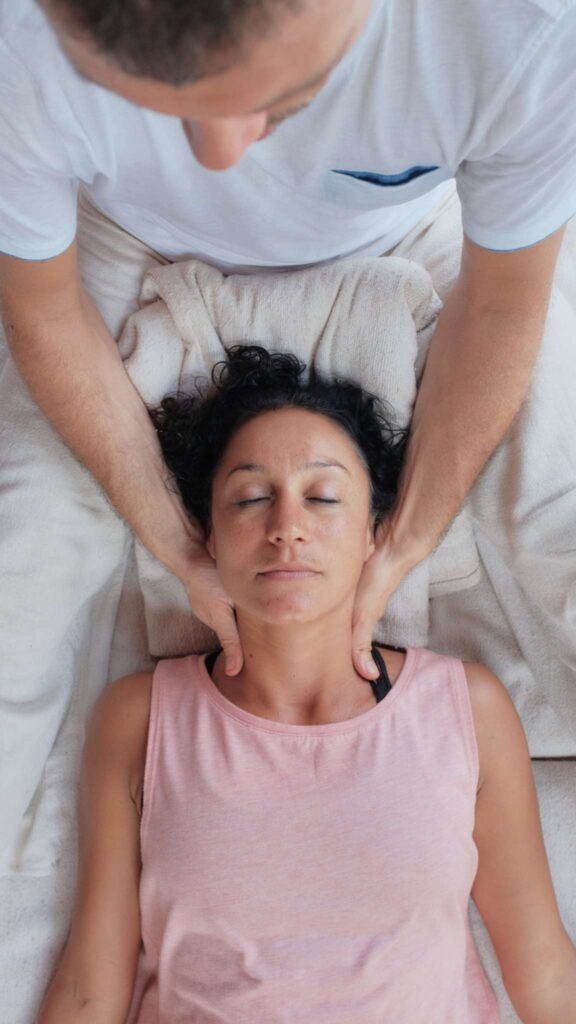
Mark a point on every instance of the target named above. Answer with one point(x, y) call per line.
point(230, 644)
point(374, 589)
point(362, 650)
point(209, 602)
point(233, 659)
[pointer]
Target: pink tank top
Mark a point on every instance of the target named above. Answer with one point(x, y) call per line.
point(310, 874)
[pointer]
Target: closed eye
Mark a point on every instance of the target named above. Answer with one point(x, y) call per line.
point(245, 502)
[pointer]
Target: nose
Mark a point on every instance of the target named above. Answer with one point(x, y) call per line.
point(220, 142)
point(286, 522)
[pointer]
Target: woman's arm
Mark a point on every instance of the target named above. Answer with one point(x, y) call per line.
point(513, 889)
point(95, 975)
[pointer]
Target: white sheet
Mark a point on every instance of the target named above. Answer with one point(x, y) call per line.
point(55, 657)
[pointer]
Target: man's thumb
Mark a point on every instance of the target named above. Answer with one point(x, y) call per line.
point(230, 643)
point(362, 651)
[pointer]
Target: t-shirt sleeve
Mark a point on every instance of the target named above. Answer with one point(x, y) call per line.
point(519, 186)
point(37, 184)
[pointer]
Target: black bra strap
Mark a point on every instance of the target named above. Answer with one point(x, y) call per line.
point(210, 659)
point(380, 686)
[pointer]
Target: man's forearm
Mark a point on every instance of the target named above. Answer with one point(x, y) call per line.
point(477, 374)
point(72, 367)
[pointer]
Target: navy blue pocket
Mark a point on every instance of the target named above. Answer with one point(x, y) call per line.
point(401, 178)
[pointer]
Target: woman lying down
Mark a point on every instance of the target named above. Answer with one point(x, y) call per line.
point(296, 844)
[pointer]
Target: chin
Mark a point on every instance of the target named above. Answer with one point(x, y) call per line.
point(288, 613)
point(287, 610)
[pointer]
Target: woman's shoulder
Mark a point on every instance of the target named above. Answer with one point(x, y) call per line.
point(497, 725)
point(489, 697)
point(124, 705)
point(118, 731)
point(123, 709)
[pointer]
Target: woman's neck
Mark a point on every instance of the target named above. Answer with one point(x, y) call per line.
point(300, 674)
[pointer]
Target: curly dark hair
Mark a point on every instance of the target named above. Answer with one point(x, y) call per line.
point(194, 430)
point(172, 41)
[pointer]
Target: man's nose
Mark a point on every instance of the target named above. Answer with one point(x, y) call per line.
point(220, 142)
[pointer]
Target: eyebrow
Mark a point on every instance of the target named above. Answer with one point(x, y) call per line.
point(255, 467)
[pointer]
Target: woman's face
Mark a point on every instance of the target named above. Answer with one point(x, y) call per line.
point(291, 521)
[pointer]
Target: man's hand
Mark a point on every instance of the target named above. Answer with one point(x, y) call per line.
point(212, 605)
point(382, 574)
point(72, 366)
point(477, 373)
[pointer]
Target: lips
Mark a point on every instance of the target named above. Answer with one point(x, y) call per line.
point(289, 571)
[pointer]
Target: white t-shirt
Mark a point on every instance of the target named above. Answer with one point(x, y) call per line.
point(483, 91)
